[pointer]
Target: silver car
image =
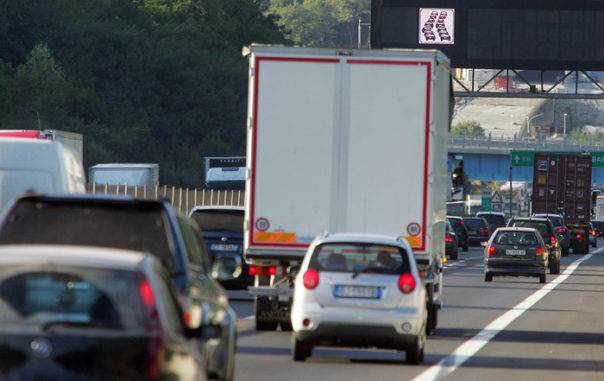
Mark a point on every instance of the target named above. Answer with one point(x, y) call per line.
point(359, 290)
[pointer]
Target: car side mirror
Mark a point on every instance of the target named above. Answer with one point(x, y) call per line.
point(484, 244)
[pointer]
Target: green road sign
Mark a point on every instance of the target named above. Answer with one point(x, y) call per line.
point(522, 158)
point(525, 158)
point(486, 204)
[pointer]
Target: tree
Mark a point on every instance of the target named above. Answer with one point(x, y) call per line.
point(321, 23)
point(468, 128)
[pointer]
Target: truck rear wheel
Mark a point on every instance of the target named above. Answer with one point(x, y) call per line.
point(265, 320)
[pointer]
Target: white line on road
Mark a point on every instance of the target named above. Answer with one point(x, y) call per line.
point(468, 349)
point(251, 317)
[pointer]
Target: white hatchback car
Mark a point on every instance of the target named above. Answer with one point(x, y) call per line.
point(359, 290)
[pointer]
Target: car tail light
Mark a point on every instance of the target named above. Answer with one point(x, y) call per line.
point(448, 239)
point(262, 270)
point(310, 279)
point(561, 230)
point(406, 283)
point(156, 346)
point(462, 223)
point(579, 235)
point(553, 240)
point(540, 251)
point(491, 250)
point(592, 232)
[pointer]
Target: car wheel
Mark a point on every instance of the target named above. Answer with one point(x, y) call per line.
point(465, 247)
point(594, 244)
point(488, 277)
point(300, 350)
point(455, 256)
point(542, 278)
point(558, 267)
point(565, 252)
point(434, 318)
point(263, 323)
point(415, 354)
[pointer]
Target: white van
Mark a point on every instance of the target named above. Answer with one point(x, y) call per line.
point(37, 165)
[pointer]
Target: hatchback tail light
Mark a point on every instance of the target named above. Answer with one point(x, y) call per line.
point(491, 250)
point(254, 270)
point(448, 239)
point(406, 283)
point(156, 346)
point(310, 279)
point(462, 223)
point(540, 251)
point(579, 236)
point(592, 232)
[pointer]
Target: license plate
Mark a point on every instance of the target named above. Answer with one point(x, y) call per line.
point(223, 247)
point(515, 252)
point(360, 292)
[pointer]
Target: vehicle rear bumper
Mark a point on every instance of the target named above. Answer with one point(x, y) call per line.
point(371, 325)
point(357, 335)
point(515, 270)
point(476, 241)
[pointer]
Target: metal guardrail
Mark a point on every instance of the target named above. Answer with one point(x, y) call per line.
point(182, 199)
point(527, 144)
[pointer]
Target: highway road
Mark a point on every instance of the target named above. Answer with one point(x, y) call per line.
point(509, 329)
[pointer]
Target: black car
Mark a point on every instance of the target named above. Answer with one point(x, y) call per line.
point(451, 242)
point(516, 252)
point(81, 313)
point(140, 225)
point(549, 235)
point(222, 229)
point(478, 230)
point(460, 230)
point(494, 219)
point(561, 228)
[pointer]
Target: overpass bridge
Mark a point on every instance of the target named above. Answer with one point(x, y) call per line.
point(488, 159)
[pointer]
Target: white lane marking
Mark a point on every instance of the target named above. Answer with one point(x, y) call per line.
point(251, 317)
point(468, 349)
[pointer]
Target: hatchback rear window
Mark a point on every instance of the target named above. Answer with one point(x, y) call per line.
point(70, 296)
point(455, 222)
point(360, 258)
point(130, 227)
point(516, 238)
point(556, 221)
point(219, 220)
point(474, 223)
point(541, 227)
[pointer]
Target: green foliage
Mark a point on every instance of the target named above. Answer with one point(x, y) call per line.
point(321, 23)
point(468, 128)
point(577, 136)
point(144, 80)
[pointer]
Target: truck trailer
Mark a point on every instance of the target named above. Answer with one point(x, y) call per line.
point(343, 141)
point(562, 185)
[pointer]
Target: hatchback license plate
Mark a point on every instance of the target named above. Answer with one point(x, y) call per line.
point(360, 292)
point(515, 252)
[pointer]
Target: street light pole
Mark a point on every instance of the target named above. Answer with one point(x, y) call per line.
point(565, 115)
point(510, 189)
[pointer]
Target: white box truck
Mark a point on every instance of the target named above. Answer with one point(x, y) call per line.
point(343, 141)
point(130, 174)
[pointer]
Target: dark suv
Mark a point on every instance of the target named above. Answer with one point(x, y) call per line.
point(560, 226)
point(478, 230)
point(549, 235)
point(494, 219)
point(460, 230)
point(140, 225)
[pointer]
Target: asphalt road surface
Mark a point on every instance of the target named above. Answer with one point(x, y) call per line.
point(509, 329)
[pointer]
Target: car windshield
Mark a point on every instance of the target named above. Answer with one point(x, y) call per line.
point(474, 223)
point(541, 227)
point(123, 226)
point(516, 238)
point(360, 258)
point(219, 220)
point(33, 295)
